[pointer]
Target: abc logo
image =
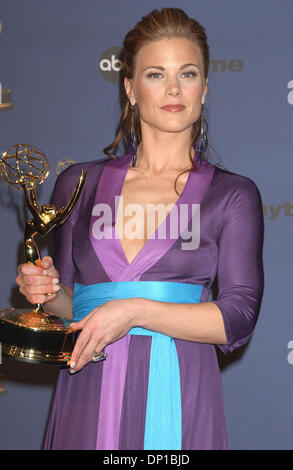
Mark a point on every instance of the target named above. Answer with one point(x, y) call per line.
point(290, 355)
point(110, 64)
point(290, 95)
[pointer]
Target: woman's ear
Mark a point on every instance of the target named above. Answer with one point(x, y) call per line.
point(129, 90)
point(205, 90)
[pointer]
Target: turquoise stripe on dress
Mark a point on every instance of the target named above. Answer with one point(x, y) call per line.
point(163, 411)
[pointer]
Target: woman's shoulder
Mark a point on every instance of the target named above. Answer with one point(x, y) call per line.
point(75, 169)
point(232, 193)
point(94, 167)
point(234, 183)
point(69, 177)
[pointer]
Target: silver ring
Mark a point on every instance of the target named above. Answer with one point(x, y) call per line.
point(99, 357)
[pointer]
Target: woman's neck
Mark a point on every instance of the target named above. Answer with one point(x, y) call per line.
point(164, 152)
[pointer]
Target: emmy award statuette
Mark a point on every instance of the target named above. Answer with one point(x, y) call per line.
point(34, 335)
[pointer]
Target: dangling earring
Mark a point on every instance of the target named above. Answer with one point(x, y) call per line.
point(201, 144)
point(133, 141)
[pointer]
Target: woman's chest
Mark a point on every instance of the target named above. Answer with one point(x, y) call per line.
point(143, 206)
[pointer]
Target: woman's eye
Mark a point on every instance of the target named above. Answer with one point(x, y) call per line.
point(189, 74)
point(154, 75)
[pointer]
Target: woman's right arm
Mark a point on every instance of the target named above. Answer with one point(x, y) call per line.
point(37, 281)
point(55, 277)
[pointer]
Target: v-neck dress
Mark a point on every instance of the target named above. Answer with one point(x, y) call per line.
point(108, 405)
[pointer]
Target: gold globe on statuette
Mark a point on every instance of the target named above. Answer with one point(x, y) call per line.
point(34, 335)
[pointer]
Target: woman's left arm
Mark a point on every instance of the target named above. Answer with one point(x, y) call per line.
point(227, 321)
point(230, 320)
point(111, 321)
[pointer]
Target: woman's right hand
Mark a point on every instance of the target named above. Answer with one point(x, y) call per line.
point(35, 281)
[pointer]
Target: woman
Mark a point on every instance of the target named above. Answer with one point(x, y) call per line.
point(143, 302)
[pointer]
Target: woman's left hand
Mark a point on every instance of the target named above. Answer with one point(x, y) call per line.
point(104, 325)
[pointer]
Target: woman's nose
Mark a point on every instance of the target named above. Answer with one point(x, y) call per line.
point(173, 87)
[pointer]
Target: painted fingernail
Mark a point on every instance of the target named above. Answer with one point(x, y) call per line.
point(72, 364)
point(45, 273)
point(55, 280)
point(55, 288)
point(71, 371)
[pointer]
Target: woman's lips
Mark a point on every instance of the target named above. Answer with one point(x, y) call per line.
point(173, 108)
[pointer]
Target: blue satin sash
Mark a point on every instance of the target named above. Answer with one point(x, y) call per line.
point(163, 424)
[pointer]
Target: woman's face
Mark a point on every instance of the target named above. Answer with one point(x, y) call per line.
point(168, 84)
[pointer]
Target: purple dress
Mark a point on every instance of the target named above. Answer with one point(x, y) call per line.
point(104, 405)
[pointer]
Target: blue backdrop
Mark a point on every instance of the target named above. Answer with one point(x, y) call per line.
point(59, 59)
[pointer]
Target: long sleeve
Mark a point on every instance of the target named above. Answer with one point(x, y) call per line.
point(240, 265)
point(62, 236)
